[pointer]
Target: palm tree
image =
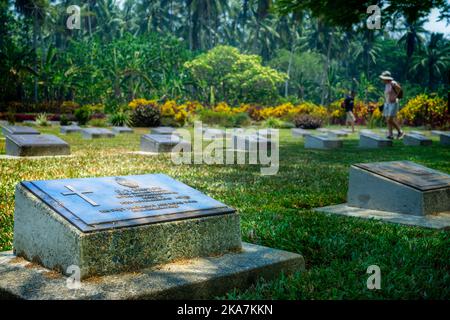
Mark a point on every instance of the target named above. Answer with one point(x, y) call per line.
point(36, 10)
point(412, 39)
point(434, 59)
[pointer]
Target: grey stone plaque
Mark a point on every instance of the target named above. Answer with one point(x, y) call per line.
point(322, 142)
point(373, 140)
point(119, 130)
point(399, 187)
point(114, 224)
point(8, 130)
point(299, 132)
point(110, 202)
point(36, 145)
point(93, 133)
point(415, 139)
point(69, 129)
point(160, 142)
point(250, 142)
point(409, 173)
point(444, 138)
point(337, 133)
point(163, 130)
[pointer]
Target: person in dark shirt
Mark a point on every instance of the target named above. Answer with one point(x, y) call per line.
point(348, 105)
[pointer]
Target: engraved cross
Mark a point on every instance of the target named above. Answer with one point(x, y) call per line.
point(80, 194)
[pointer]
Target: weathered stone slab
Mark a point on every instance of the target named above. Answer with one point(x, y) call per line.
point(119, 130)
point(163, 130)
point(250, 142)
point(94, 133)
point(399, 186)
point(444, 138)
point(438, 221)
point(337, 133)
point(35, 145)
point(29, 122)
point(197, 278)
point(116, 224)
point(298, 132)
point(11, 129)
point(366, 131)
point(161, 142)
point(322, 142)
point(323, 130)
point(423, 133)
point(436, 132)
point(414, 139)
point(372, 140)
point(70, 129)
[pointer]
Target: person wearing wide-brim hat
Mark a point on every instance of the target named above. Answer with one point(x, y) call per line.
point(391, 106)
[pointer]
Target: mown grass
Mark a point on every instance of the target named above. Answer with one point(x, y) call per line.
point(276, 211)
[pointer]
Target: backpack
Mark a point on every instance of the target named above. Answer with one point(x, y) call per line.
point(400, 90)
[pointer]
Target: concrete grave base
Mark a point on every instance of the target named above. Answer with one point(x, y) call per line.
point(413, 139)
point(444, 139)
point(373, 141)
point(8, 157)
point(41, 234)
point(438, 221)
point(198, 278)
point(322, 142)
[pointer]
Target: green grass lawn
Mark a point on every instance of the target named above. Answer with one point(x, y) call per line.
point(276, 211)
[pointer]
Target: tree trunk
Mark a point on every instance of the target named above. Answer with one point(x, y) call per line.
point(35, 31)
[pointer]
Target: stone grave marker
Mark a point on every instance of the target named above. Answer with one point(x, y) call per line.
point(69, 129)
point(324, 142)
point(250, 142)
point(160, 142)
point(373, 140)
point(323, 130)
point(36, 145)
point(337, 133)
point(397, 191)
point(163, 130)
point(94, 133)
point(444, 138)
point(140, 236)
point(123, 129)
point(436, 132)
point(299, 132)
point(414, 139)
point(12, 129)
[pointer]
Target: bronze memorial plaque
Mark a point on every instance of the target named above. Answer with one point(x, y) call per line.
point(409, 173)
point(93, 204)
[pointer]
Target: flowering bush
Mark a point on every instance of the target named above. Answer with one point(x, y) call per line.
point(426, 110)
point(69, 106)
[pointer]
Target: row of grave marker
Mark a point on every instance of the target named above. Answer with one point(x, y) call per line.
point(329, 139)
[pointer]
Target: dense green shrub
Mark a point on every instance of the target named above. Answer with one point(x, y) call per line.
point(98, 122)
point(211, 117)
point(120, 118)
point(83, 114)
point(64, 121)
point(146, 116)
point(241, 119)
